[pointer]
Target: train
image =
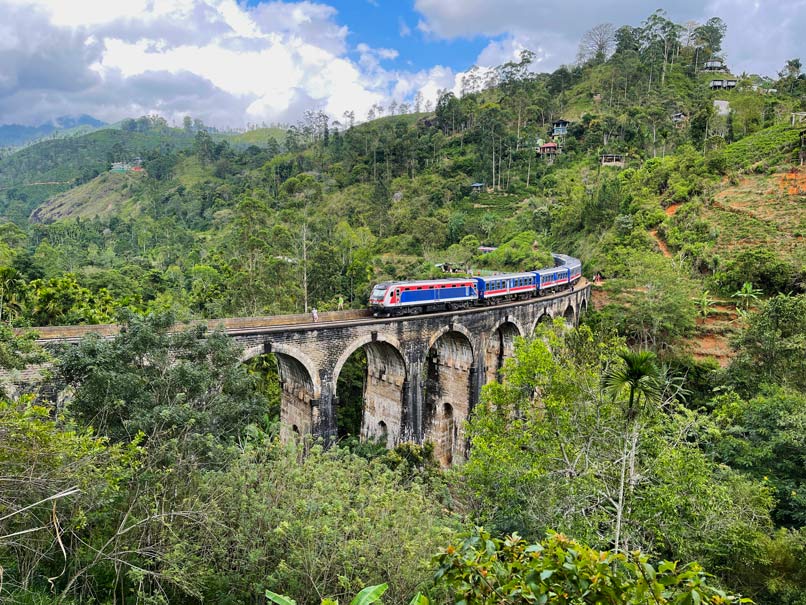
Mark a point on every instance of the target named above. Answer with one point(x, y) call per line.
point(393, 298)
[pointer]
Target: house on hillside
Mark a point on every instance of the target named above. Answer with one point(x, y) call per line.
point(135, 165)
point(722, 84)
point(612, 159)
point(722, 108)
point(476, 187)
point(548, 151)
point(714, 64)
point(679, 119)
point(560, 128)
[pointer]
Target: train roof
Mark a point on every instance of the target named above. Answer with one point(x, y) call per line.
point(551, 269)
point(427, 282)
point(564, 259)
point(506, 275)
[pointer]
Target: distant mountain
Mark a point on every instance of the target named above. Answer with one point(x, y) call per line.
point(17, 135)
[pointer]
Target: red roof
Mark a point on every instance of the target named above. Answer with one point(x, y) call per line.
point(548, 146)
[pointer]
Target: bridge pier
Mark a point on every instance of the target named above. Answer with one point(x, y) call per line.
point(413, 429)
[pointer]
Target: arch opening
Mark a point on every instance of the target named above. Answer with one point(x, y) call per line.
point(544, 317)
point(569, 316)
point(500, 347)
point(370, 393)
point(264, 368)
point(449, 373)
point(298, 406)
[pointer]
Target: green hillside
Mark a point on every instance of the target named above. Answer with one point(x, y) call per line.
point(35, 173)
point(258, 136)
point(107, 194)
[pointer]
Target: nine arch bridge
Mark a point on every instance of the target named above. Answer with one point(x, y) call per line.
point(424, 372)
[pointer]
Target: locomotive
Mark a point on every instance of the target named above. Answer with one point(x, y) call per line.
point(410, 297)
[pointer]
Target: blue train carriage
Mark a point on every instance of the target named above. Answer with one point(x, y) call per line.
point(506, 286)
point(393, 298)
point(574, 266)
point(565, 272)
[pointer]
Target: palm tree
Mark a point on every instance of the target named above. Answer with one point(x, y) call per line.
point(640, 375)
point(11, 283)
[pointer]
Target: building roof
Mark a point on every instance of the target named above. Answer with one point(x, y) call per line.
point(549, 144)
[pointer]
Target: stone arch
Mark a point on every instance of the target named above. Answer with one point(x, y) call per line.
point(544, 317)
point(452, 328)
point(500, 346)
point(583, 306)
point(296, 354)
point(357, 344)
point(299, 403)
point(300, 388)
point(569, 315)
point(449, 374)
point(383, 411)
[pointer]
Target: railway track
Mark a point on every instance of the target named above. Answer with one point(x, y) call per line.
point(242, 326)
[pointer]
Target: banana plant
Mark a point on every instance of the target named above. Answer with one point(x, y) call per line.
point(367, 596)
point(746, 294)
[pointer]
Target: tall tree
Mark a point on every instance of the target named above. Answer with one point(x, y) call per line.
point(638, 374)
point(597, 44)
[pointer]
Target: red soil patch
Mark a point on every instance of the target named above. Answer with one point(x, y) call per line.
point(712, 345)
point(661, 244)
point(792, 182)
point(672, 209)
point(599, 298)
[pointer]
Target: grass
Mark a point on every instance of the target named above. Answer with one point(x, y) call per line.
point(772, 145)
point(259, 137)
point(108, 193)
point(766, 211)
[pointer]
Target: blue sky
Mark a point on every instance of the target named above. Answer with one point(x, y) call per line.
point(235, 63)
point(378, 25)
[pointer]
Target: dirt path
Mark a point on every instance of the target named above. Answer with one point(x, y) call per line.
point(661, 244)
point(33, 184)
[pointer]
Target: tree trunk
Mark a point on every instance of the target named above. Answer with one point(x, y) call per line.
point(620, 508)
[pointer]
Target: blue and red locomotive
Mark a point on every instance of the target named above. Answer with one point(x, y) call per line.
point(405, 297)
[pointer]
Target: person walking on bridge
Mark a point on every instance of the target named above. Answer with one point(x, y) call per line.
point(341, 303)
point(314, 314)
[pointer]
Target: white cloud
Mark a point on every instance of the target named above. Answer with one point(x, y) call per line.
point(760, 34)
point(227, 62)
point(114, 59)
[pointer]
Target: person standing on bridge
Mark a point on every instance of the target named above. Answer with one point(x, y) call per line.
point(341, 303)
point(315, 314)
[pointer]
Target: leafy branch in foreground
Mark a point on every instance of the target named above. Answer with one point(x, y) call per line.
point(484, 570)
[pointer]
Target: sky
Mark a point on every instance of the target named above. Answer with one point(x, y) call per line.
point(233, 63)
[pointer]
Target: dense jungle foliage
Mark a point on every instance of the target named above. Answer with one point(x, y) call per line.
point(160, 477)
